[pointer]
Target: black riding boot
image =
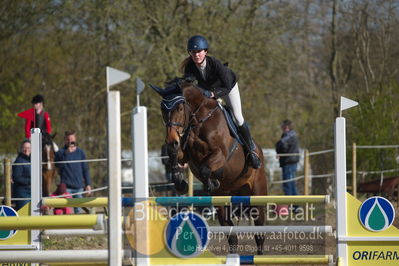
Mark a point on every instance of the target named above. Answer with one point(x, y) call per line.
point(250, 146)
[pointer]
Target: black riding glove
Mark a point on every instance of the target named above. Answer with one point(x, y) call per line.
point(207, 93)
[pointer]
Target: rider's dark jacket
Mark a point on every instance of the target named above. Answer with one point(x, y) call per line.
point(218, 77)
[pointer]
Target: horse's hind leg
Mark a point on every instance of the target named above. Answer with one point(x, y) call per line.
point(224, 217)
point(259, 220)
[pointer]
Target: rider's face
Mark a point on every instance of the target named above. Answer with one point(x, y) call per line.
point(38, 106)
point(198, 56)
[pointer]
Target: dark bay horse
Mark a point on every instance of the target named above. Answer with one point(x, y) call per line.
point(197, 133)
point(48, 168)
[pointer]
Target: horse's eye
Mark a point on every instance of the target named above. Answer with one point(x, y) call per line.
point(180, 108)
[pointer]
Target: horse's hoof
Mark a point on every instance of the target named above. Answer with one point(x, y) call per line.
point(181, 187)
point(213, 184)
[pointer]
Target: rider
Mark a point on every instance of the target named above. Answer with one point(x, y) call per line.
point(40, 119)
point(218, 81)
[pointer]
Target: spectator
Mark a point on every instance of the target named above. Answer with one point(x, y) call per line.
point(36, 117)
point(21, 177)
point(288, 144)
point(75, 176)
point(62, 190)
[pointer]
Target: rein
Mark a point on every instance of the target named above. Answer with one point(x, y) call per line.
point(191, 125)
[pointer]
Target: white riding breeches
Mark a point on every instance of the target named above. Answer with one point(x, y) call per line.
point(233, 100)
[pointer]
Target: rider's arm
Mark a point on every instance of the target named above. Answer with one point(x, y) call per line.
point(48, 122)
point(226, 76)
point(27, 128)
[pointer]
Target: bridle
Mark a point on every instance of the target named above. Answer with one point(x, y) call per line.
point(190, 122)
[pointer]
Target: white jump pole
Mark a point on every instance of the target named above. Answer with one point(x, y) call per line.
point(36, 182)
point(140, 152)
point(140, 173)
point(115, 252)
point(340, 185)
point(114, 180)
point(46, 256)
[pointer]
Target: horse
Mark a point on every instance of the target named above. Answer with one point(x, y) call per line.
point(388, 187)
point(48, 168)
point(197, 133)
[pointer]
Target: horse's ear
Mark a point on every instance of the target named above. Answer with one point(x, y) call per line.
point(180, 82)
point(158, 90)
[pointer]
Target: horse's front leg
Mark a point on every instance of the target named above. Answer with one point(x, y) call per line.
point(212, 164)
point(181, 184)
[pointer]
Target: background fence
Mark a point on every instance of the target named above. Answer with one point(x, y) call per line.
point(314, 176)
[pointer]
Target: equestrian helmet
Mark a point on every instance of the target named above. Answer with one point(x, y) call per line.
point(38, 99)
point(197, 42)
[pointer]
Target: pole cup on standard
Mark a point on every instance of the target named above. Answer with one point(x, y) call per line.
point(139, 89)
point(340, 175)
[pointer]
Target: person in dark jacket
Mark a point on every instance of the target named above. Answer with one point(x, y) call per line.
point(288, 144)
point(218, 81)
point(21, 176)
point(75, 176)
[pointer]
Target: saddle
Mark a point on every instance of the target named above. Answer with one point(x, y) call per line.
point(233, 127)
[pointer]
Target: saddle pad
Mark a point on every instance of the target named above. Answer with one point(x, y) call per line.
point(231, 124)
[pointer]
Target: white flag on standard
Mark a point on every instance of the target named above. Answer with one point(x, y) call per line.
point(347, 103)
point(115, 76)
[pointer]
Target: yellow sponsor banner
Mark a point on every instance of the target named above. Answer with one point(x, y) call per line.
point(354, 226)
point(369, 253)
point(373, 253)
point(21, 237)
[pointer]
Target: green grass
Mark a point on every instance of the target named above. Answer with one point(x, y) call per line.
point(75, 242)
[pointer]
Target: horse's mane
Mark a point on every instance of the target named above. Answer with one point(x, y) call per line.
point(194, 95)
point(47, 139)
